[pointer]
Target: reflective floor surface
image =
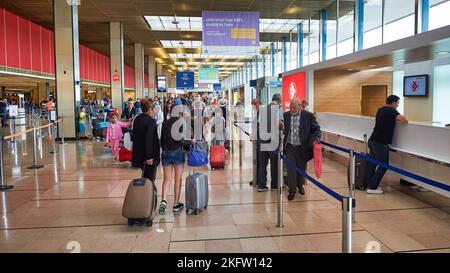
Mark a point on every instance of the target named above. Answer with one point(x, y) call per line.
point(74, 204)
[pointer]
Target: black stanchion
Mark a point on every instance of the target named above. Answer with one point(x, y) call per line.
point(3, 186)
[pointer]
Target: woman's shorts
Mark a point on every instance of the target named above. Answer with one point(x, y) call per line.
point(173, 157)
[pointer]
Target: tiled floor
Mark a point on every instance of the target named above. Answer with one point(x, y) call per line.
point(74, 204)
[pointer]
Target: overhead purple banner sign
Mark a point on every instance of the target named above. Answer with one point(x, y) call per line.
point(232, 33)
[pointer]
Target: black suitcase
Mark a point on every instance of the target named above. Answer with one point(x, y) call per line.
point(361, 170)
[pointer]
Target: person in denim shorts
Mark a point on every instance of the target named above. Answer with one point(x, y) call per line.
point(173, 159)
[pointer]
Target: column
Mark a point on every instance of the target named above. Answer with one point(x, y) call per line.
point(67, 65)
point(272, 58)
point(300, 44)
point(422, 11)
point(323, 34)
point(151, 77)
point(139, 70)
point(43, 91)
point(117, 64)
point(284, 53)
point(359, 25)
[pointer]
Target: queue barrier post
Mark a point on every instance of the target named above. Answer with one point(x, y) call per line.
point(352, 180)
point(13, 128)
point(62, 130)
point(3, 186)
point(280, 192)
point(53, 131)
point(347, 208)
point(35, 163)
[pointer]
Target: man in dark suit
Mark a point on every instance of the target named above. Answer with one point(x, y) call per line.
point(146, 149)
point(129, 112)
point(301, 131)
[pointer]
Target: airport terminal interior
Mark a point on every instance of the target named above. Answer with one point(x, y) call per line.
point(68, 67)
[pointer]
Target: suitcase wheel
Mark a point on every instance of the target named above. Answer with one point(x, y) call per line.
point(130, 222)
point(196, 212)
point(149, 223)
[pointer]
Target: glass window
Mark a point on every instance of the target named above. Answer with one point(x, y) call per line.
point(441, 94)
point(306, 36)
point(373, 14)
point(293, 49)
point(314, 39)
point(345, 27)
point(439, 14)
point(278, 58)
point(331, 30)
point(399, 21)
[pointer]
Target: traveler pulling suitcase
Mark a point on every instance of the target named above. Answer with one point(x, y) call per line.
point(140, 202)
point(361, 170)
point(196, 193)
point(217, 157)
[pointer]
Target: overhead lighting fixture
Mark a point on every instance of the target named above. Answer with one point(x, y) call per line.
point(350, 69)
point(442, 53)
point(372, 65)
point(400, 60)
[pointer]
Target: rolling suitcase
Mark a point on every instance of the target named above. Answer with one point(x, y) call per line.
point(140, 202)
point(361, 170)
point(196, 193)
point(217, 157)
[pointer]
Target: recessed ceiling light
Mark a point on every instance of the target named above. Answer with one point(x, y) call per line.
point(442, 53)
point(400, 60)
point(350, 69)
point(372, 65)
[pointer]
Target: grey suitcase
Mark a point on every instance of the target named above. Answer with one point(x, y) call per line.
point(196, 193)
point(140, 202)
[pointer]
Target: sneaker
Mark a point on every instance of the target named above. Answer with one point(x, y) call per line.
point(263, 189)
point(377, 191)
point(162, 207)
point(178, 207)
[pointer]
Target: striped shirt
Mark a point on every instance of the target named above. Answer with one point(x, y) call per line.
point(294, 134)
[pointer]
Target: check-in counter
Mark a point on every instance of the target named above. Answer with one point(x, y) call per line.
point(420, 148)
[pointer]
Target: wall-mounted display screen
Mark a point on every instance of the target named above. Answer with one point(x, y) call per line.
point(415, 86)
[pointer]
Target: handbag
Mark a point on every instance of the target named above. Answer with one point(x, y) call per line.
point(197, 157)
point(127, 141)
point(318, 159)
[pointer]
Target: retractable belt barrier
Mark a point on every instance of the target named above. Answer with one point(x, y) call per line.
point(51, 126)
point(348, 202)
point(422, 179)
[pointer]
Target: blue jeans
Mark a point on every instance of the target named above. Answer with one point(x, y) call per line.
point(380, 152)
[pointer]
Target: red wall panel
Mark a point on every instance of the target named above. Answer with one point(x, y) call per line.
point(2, 38)
point(45, 38)
point(36, 64)
point(52, 53)
point(25, 43)
point(12, 41)
point(145, 80)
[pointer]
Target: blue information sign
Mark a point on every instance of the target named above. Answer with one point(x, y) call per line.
point(217, 87)
point(185, 80)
